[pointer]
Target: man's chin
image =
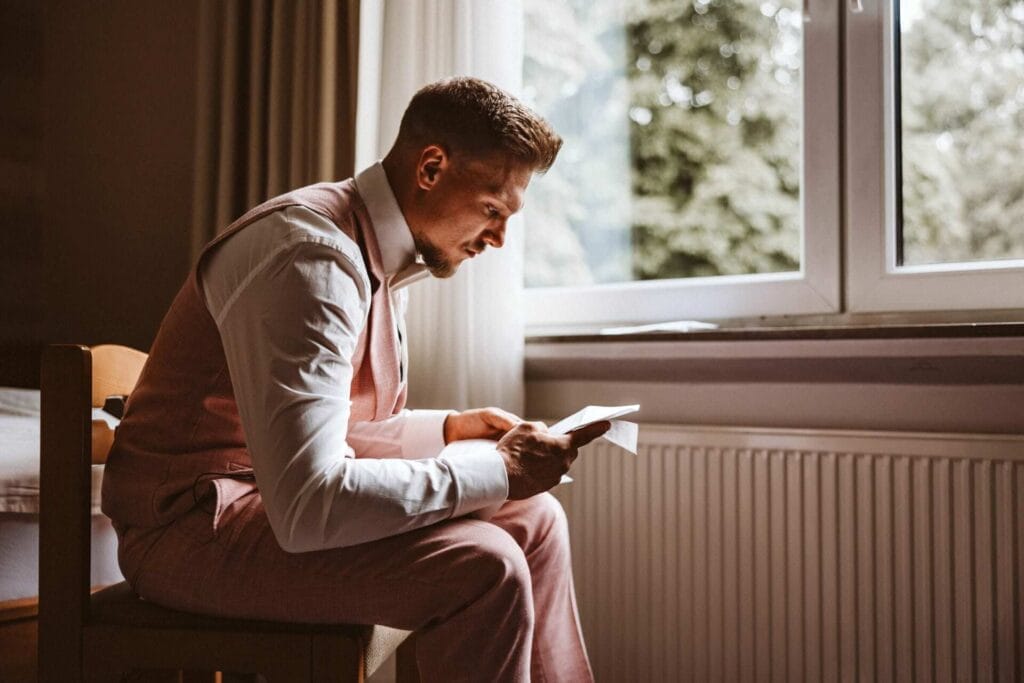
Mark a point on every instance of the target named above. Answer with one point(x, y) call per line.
point(443, 270)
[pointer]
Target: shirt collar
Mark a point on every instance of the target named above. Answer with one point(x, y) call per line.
point(397, 249)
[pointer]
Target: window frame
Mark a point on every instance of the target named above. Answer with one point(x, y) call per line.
point(848, 205)
point(874, 281)
point(814, 289)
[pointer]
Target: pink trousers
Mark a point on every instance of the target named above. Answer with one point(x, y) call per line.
point(490, 601)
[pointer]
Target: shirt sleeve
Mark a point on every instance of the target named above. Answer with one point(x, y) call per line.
point(411, 434)
point(289, 331)
point(414, 434)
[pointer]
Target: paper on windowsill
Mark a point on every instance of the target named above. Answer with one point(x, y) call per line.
point(673, 326)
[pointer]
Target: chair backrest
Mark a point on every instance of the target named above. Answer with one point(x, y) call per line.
point(74, 379)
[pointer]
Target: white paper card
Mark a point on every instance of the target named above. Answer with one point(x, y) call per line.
point(622, 433)
point(590, 415)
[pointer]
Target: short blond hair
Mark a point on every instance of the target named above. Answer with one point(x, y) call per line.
point(473, 117)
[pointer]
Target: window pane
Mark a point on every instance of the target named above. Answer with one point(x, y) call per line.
point(682, 139)
point(961, 93)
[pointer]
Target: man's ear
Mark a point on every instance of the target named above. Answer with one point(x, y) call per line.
point(433, 162)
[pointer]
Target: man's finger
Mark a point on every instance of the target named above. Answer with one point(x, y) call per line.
point(501, 419)
point(584, 435)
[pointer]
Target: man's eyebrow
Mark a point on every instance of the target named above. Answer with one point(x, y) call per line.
point(505, 204)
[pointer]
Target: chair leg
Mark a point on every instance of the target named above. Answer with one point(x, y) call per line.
point(106, 677)
point(406, 670)
point(148, 676)
point(336, 659)
point(200, 677)
point(228, 677)
point(96, 669)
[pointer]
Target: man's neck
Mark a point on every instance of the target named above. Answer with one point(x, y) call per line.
point(399, 187)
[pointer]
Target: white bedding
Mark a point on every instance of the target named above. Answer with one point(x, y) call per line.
point(19, 503)
point(19, 555)
point(19, 453)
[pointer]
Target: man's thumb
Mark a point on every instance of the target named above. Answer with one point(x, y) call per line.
point(584, 435)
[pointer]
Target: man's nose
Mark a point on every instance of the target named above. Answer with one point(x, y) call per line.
point(495, 237)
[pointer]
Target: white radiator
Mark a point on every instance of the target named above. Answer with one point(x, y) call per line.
point(732, 555)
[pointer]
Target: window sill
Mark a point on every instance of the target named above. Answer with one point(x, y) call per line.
point(965, 353)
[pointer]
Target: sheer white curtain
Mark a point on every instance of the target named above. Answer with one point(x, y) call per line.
point(465, 333)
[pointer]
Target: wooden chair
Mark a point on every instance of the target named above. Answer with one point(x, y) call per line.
point(106, 635)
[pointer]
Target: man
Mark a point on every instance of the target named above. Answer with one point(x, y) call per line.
point(266, 468)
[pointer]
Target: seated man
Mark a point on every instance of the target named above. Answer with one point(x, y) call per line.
point(266, 468)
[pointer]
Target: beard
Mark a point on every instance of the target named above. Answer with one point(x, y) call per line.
point(435, 260)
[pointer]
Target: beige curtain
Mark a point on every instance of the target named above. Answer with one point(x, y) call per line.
point(277, 103)
point(466, 340)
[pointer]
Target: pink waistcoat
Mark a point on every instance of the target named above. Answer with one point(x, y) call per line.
point(181, 426)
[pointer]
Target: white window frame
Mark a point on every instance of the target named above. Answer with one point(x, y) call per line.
point(814, 289)
point(865, 277)
point(874, 283)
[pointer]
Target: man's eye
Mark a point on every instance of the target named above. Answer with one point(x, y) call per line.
point(492, 212)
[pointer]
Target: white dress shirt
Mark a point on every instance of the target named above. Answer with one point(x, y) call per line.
point(290, 295)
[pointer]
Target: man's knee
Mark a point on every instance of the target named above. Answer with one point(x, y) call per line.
point(545, 520)
point(497, 575)
point(552, 514)
point(499, 559)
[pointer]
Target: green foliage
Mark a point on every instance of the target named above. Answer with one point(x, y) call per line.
point(716, 167)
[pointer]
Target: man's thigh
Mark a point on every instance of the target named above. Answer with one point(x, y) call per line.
point(406, 581)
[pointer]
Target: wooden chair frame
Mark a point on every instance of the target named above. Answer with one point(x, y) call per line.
point(104, 636)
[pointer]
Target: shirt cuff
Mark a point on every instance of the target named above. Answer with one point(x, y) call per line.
point(423, 433)
point(479, 474)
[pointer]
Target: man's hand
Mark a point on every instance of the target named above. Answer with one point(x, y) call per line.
point(480, 423)
point(536, 460)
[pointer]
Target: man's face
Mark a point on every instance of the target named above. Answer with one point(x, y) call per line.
point(465, 206)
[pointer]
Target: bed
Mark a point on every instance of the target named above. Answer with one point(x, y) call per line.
point(19, 502)
point(19, 532)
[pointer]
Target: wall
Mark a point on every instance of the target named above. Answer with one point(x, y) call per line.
point(971, 384)
point(118, 133)
point(994, 409)
point(21, 68)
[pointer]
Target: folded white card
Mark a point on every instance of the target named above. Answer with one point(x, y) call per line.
point(623, 434)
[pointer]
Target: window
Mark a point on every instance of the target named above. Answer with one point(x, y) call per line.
point(935, 117)
point(960, 81)
point(701, 172)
